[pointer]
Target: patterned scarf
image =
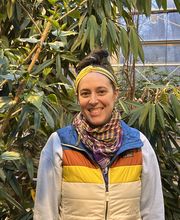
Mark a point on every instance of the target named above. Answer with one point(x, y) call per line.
point(103, 141)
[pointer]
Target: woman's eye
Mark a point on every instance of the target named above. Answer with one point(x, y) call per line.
point(101, 92)
point(84, 94)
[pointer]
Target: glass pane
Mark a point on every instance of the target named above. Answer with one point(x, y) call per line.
point(153, 28)
point(170, 4)
point(157, 74)
point(155, 54)
point(173, 26)
point(173, 54)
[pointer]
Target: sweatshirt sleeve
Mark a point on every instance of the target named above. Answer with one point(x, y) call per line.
point(152, 204)
point(48, 189)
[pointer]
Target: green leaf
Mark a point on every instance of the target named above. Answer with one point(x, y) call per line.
point(112, 30)
point(120, 7)
point(48, 116)
point(164, 4)
point(93, 30)
point(35, 99)
point(107, 7)
point(10, 8)
point(12, 180)
point(140, 51)
point(144, 114)
point(152, 117)
point(123, 106)
point(29, 164)
point(177, 3)
point(56, 45)
point(84, 39)
point(92, 39)
point(148, 7)
point(46, 71)
point(29, 40)
point(53, 98)
point(2, 175)
point(60, 75)
point(10, 155)
point(104, 29)
point(59, 33)
point(159, 3)
point(160, 115)
point(52, 2)
point(78, 40)
point(134, 116)
point(42, 66)
point(124, 42)
point(6, 196)
point(134, 42)
point(37, 120)
point(175, 103)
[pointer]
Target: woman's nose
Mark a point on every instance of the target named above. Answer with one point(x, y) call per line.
point(93, 99)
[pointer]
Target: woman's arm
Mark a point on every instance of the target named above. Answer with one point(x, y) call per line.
point(48, 189)
point(152, 204)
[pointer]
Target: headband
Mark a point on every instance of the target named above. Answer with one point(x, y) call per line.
point(97, 69)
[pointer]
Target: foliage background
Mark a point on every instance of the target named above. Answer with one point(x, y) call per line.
point(40, 43)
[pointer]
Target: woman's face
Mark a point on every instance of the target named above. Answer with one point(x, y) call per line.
point(96, 97)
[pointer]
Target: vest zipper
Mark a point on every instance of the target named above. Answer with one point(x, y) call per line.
point(105, 174)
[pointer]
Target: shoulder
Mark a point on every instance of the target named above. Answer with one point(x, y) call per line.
point(52, 150)
point(130, 136)
point(67, 134)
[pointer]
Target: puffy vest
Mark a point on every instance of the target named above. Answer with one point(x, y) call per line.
point(89, 194)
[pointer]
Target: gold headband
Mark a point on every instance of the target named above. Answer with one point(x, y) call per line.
point(97, 69)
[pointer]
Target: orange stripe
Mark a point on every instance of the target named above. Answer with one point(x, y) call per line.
point(133, 157)
point(75, 158)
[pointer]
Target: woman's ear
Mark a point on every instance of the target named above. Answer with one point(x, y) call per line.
point(116, 92)
point(77, 97)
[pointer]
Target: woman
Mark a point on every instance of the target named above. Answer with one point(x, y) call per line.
point(98, 168)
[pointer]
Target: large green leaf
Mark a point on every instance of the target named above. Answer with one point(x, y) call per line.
point(13, 182)
point(124, 42)
point(144, 114)
point(92, 23)
point(175, 106)
point(35, 99)
point(112, 30)
point(104, 29)
point(134, 116)
point(42, 66)
point(177, 3)
point(48, 116)
point(6, 196)
point(152, 118)
point(29, 164)
point(10, 155)
point(134, 42)
point(148, 7)
point(160, 116)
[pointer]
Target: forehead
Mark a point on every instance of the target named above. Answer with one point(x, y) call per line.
point(94, 79)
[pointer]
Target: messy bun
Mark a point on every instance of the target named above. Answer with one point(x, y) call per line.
point(97, 57)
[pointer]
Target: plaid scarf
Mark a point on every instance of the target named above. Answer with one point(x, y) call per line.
point(103, 141)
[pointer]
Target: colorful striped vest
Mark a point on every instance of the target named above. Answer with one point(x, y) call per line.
point(89, 194)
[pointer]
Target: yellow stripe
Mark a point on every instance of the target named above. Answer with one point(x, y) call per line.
point(82, 174)
point(97, 69)
point(125, 174)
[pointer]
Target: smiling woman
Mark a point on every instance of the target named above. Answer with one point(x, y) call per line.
point(98, 167)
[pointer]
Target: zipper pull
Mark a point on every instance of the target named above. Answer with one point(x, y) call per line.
point(105, 171)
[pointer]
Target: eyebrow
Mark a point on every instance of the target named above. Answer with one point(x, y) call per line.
point(86, 89)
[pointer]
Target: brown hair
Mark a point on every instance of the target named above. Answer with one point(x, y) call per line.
point(98, 57)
